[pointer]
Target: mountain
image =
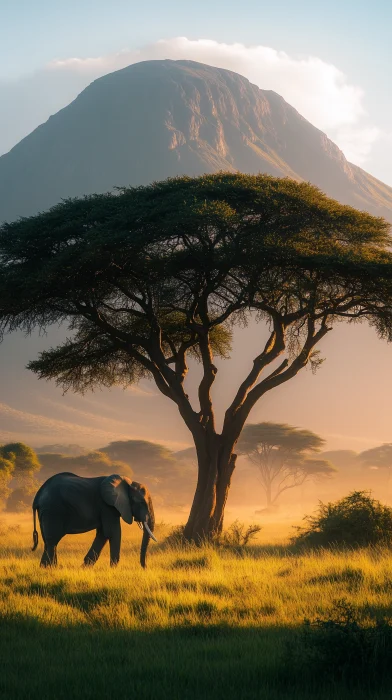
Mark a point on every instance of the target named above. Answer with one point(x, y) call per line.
point(163, 118)
point(150, 121)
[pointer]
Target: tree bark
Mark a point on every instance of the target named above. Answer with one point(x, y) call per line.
point(216, 463)
point(225, 472)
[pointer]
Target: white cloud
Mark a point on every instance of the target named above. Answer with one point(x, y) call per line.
point(357, 143)
point(320, 91)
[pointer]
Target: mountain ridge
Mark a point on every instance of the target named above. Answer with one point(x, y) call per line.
point(156, 119)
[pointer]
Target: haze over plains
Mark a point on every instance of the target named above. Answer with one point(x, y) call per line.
point(348, 400)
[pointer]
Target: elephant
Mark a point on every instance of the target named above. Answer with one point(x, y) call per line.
point(69, 504)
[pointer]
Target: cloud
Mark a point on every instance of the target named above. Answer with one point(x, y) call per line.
point(36, 429)
point(320, 91)
point(21, 422)
point(87, 416)
point(138, 390)
point(345, 440)
point(357, 143)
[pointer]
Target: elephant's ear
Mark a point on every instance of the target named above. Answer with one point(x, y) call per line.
point(115, 492)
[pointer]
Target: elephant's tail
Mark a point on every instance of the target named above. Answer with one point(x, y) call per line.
point(35, 532)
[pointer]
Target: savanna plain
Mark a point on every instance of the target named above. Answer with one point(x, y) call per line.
point(207, 622)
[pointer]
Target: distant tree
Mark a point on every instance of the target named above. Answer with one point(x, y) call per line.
point(91, 464)
point(283, 456)
point(26, 464)
point(171, 477)
point(6, 470)
point(147, 277)
point(141, 455)
point(379, 458)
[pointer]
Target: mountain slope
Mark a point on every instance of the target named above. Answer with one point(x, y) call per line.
point(163, 118)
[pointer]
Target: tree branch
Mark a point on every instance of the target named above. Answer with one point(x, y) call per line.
point(279, 376)
point(209, 374)
point(297, 364)
point(273, 348)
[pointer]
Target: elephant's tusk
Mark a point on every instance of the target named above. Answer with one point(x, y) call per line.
point(149, 532)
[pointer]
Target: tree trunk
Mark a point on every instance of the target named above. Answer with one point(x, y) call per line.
point(226, 469)
point(216, 463)
point(268, 494)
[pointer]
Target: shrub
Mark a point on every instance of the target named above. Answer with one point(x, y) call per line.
point(355, 521)
point(341, 647)
point(239, 535)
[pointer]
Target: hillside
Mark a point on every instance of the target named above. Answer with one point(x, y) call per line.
point(157, 119)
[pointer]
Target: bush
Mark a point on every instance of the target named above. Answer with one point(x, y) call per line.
point(341, 647)
point(238, 535)
point(354, 521)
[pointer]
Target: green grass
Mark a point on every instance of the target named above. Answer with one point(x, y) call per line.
point(196, 624)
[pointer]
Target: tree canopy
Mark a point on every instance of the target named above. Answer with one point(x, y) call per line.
point(25, 462)
point(141, 455)
point(283, 456)
point(148, 276)
point(19, 465)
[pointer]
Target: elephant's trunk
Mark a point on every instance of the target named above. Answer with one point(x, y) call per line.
point(150, 522)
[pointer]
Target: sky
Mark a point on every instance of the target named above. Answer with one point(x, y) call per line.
point(329, 60)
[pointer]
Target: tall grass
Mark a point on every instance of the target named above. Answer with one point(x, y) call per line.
point(198, 623)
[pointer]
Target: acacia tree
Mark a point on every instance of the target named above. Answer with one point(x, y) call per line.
point(140, 454)
point(283, 456)
point(146, 277)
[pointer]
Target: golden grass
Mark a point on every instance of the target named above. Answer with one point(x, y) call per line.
point(262, 586)
point(197, 624)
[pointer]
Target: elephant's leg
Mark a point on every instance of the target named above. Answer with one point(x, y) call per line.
point(49, 557)
point(115, 543)
point(95, 549)
point(52, 532)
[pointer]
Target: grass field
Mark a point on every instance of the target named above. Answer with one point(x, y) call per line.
point(201, 623)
